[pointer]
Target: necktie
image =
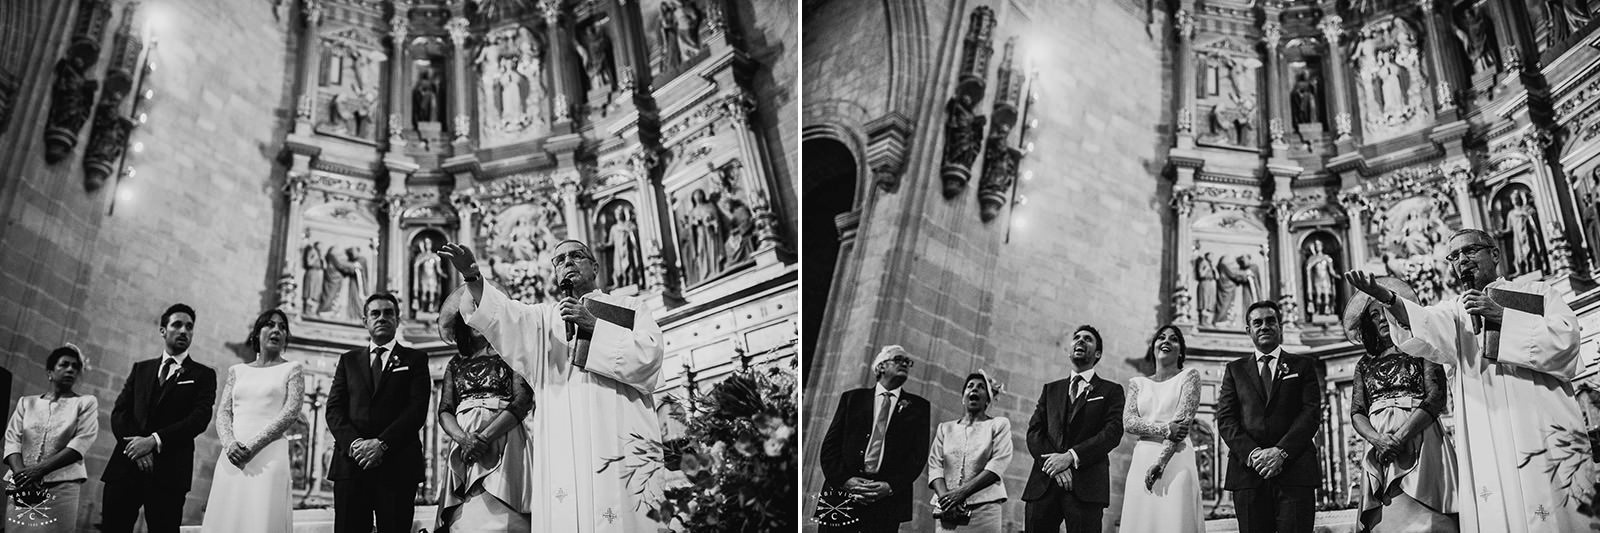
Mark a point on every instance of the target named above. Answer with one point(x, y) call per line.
point(166, 369)
point(879, 427)
point(377, 365)
point(1266, 375)
point(1077, 388)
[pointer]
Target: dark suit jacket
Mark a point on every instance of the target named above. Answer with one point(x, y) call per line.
point(1094, 429)
point(905, 448)
point(1290, 421)
point(391, 411)
point(178, 412)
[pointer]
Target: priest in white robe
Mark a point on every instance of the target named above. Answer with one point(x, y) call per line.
point(1513, 347)
point(593, 360)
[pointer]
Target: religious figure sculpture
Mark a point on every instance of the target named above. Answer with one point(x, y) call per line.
point(598, 58)
point(627, 266)
point(669, 30)
point(705, 228)
point(741, 229)
point(1563, 18)
point(1321, 274)
point(1521, 223)
point(338, 271)
point(1249, 279)
point(360, 282)
point(427, 277)
point(1227, 290)
point(511, 84)
point(1205, 274)
point(963, 129)
point(1388, 80)
point(353, 96)
point(311, 289)
point(1476, 33)
point(427, 97)
point(1306, 98)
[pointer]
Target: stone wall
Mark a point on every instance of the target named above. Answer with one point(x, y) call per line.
point(193, 224)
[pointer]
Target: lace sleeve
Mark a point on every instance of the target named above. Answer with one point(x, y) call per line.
point(294, 393)
point(1186, 409)
point(1133, 422)
point(225, 413)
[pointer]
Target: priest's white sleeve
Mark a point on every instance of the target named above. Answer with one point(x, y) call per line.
point(630, 355)
point(1435, 334)
point(509, 325)
point(1547, 344)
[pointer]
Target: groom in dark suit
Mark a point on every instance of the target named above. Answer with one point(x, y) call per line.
point(376, 408)
point(164, 404)
point(1076, 424)
point(1268, 412)
point(875, 449)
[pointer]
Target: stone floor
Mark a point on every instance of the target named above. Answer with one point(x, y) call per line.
point(321, 520)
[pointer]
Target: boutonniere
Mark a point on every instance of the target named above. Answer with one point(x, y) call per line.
point(900, 405)
point(178, 372)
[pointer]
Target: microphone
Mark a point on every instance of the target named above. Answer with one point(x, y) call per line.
point(567, 291)
point(1464, 284)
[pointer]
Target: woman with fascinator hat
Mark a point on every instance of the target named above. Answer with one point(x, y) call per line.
point(966, 460)
point(1162, 492)
point(481, 408)
point(45, 443)
point(1409, 472)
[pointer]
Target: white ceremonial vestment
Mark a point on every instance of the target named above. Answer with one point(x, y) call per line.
point(581, 417)
point(1508, 412)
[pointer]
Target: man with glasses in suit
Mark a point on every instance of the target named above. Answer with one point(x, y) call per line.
point(875, 449)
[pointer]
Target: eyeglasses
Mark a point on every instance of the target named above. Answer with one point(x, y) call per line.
point(1466, 251)
point(574, 256)
point(902, 361)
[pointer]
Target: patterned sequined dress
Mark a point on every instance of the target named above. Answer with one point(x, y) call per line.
point(490, 494)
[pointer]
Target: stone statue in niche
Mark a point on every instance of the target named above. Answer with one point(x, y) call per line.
point(741, 226)
point(1563, 18)
point(1522, 226)
point(359, 279)
point(427, 94)
point(706, 236)
point(510, 82)
point(1476, 33)
point(1227, 291)
point(1205, 274)
point(688, 22)
point(311, 290)
point(622, 242)
point(1321, 276)
point(338, 272)
point(427, 278)
point(1232, 120)
point(598, 60)
point(350, 78)
point(1306, 98)
point(963, 132)
point(1249, 280)
point(1390, 80)
point(1591, 211)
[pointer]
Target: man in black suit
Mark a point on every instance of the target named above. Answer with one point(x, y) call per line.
point(1269, 412)
point(375, 410)
point(164, 404)
point(1076, 424)
point(875, 449)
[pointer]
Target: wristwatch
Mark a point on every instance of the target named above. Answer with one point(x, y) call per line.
point(472, 276)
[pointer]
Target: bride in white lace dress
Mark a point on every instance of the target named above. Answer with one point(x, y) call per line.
point(1162, 489)
point(250, 490)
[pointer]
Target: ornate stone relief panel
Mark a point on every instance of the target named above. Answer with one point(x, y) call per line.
point(339, 254)
point(1392, 87)
point(514, 87)
point(349, 88)
point(1231, 267)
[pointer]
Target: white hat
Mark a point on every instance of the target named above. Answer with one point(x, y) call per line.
point(889, 352)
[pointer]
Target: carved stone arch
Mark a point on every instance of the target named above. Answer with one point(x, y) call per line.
point(835, 167)
point(908, 52)
point(852, 141)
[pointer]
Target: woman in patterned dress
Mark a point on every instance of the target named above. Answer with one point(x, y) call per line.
point(481, 409)
point(966, 460)
point(45, 443)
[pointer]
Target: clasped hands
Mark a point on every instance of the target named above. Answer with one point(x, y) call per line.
point(473, 446)
point(142, 450)
point(1268, 462)
point(1387, 447)
point(1059, 467)
point(368, 453)
point(867, 491)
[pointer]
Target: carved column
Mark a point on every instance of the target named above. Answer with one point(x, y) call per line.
point(559, 61)
point(399, 105)
point(1332, 29)
point(1444, 95)
point(1288, 253)
point(294, 190)
point(1537, 144)
point(305, 116)
point(1275, 90)
point(1183, 205)
point(655, 227)
point(392, 265)
point(577, 225)
point(1184, 23)
point(1355, 208)
point(461, 86)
